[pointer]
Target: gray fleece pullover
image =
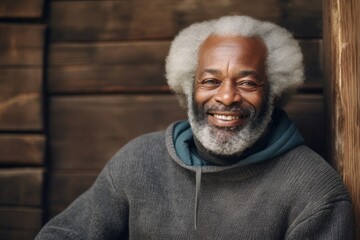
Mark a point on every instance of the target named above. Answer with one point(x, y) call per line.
point(146, 192)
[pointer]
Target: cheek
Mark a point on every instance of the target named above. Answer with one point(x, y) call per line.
point(201, 96)
point(256, 99)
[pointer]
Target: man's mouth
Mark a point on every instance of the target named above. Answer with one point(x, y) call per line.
point(226, 117)
point(230, 119)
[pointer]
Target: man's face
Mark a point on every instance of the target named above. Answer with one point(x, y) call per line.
point(230, 95)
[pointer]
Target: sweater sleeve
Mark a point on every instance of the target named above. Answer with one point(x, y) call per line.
point(332, 221)
point(99, 213)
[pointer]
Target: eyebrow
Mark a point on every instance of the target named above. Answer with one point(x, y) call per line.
point(211, 71)
point(247, 73)
point(240, 74)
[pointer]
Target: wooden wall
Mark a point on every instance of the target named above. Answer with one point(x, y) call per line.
point(22, 136)
point(104, 80)
point(342, 58)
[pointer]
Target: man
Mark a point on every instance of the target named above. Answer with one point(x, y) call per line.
point(238, 169)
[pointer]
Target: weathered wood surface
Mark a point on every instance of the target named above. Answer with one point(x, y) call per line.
point(19, 223)
point(21, 98)
point(133, 66)
point(65, 187)
point(341, 61)
point(162, 19)
point(21, 44)
point(21, 8)
point(87, 130)
point(107, 67)
point(21, 187)
point(307, 112)
point(22, 149)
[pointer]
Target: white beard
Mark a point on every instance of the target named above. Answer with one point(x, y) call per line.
point(228, 141)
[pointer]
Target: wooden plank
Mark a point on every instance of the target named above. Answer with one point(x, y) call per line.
point(19, 223)
point(65, 187)
point(107, 67)
point(21, 186)
point(162, 19)
point(22, 149)
point(132, 66)
point(21, 8)
point(87, 130)
point(20, 98)
point(21, 44)
point(307, 112)
point(312, 50)
point(342, 58)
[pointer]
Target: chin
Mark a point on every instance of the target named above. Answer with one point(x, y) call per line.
point(229, 140)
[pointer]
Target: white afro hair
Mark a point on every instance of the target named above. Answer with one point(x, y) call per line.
point(285, 70)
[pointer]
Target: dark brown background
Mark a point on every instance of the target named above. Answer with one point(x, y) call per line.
point(78, 79)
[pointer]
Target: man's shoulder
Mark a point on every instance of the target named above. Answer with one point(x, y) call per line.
point(310, 174)
point(143, 144)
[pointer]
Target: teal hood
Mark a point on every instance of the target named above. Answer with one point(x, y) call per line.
point(281, 137)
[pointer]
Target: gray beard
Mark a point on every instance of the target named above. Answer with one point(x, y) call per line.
point(229, 141)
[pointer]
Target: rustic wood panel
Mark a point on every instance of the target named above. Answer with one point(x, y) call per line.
point(65, 187)
point(132, 66)
point(312, 50)
point(21, 44)
point(21, 186)
point(22, 149)
point(87, 131)
point(107, 67)
point(19, 223)
point(21, 98)
point(342, 59)
point(21, 8)
point(159, 19)
point(307, 112)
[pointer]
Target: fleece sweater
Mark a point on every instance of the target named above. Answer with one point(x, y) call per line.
point(146, 192)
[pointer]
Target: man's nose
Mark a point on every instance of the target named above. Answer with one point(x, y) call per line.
point(227, 93)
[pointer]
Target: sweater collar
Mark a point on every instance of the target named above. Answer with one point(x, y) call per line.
point(281, 137)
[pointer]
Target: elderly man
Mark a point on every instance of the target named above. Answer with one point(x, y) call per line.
point(237, 169)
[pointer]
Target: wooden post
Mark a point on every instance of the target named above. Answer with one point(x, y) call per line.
point(341, 24)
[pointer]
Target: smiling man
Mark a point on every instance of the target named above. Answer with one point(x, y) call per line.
point(237, 169)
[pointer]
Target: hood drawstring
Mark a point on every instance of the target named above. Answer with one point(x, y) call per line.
point(197, 195)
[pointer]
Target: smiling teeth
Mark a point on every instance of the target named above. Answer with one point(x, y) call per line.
point(226, 117)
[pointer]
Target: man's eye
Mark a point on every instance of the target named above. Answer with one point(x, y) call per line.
point(248, 85)
point(210, 81)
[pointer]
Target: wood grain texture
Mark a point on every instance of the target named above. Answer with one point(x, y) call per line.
point(21, 8)
point(21, 98)
point(22, 149)
point(162, 19)
point(21, 187)
point(21, 44)
point(341, 61)
point(107, 67)
point(19, 223)
point(86, 131)
point(133, 66)
point(307, 112)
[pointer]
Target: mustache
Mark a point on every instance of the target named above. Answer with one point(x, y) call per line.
point(244, 110)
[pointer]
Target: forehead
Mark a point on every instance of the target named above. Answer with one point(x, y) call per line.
point(244, 48)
